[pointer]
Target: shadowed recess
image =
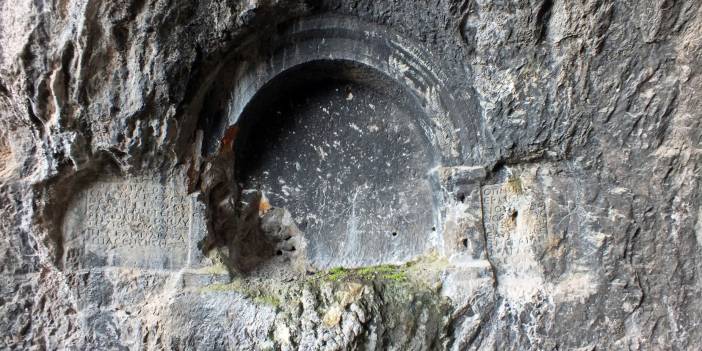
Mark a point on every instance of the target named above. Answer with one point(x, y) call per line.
point(340, 146)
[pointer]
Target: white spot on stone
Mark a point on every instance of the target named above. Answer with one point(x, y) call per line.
point(320, 150)
point(356, 128)
point(576, 287)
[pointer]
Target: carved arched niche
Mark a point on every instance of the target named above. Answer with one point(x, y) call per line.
point(343, 124)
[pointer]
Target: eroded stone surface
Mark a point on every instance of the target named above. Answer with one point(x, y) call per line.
point(349, 161)
point(514, 219)
point(592, 105)
point(142, 223)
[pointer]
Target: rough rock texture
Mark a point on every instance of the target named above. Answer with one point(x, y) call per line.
point(565, 185)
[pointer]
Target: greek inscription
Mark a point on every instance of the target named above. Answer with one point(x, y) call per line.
point(141, 223)
point(513, 220)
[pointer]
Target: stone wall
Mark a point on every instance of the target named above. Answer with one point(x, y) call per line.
point(536, 186)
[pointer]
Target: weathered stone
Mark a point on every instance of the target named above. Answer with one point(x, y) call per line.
point(131, 223)
point(229, 175)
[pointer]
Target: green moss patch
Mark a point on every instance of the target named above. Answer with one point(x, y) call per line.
point(259, 294)
point(381, 272)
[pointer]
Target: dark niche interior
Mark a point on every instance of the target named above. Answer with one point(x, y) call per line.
point(342, 148)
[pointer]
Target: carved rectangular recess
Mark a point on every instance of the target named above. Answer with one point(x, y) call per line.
point(142, 223)
point(514, 220)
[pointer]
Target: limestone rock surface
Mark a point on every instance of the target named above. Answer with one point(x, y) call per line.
point(506, 174)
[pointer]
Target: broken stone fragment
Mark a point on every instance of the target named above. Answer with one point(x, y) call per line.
point(266, 239)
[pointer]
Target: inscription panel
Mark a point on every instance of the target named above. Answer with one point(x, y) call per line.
point(133, 223)
point(514, 223)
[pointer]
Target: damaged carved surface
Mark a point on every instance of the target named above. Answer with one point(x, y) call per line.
point(339, 174)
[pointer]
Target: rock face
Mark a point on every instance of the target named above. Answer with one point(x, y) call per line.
point(340, 174)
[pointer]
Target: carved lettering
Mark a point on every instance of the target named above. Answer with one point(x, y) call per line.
point(139, 223)
point(513, 220)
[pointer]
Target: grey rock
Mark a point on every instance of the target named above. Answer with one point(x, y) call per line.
point(350, 174)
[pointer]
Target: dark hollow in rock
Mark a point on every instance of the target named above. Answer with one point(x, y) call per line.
point(339, 145)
